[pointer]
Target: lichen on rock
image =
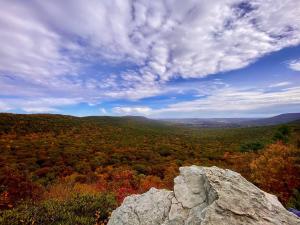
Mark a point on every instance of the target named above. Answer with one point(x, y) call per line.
point(204, 196)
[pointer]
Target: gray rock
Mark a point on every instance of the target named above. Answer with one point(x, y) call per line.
point(204, 196)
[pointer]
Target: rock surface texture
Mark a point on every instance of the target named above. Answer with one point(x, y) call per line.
point(204, 196)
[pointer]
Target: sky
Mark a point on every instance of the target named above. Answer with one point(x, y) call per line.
point(153, 58)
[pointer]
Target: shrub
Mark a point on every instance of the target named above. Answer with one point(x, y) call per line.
point(15, 187)
point(281, 175)
point(282, 134)
point(81, 210)
point(294, 201)
point(141, 168)
point(251, 147)
point(165, 152)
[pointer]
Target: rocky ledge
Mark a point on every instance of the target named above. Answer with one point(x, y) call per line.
point(204, 196)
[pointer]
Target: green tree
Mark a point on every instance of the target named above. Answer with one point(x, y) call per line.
point(282, 134)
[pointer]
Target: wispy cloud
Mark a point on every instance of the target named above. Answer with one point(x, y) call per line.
point(294, 64)
point(40, 105)
point(4, 107)
point(280, 84)
point(229, 101)
point(39, 109)
point(136, 110)
point(103, 111)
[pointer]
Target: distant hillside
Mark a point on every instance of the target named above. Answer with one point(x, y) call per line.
point(282, 118)
point(68, 143)
point(28, 123)
point(209, 122)
point(235, 122)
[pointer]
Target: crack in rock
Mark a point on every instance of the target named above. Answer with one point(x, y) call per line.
point(204, 196)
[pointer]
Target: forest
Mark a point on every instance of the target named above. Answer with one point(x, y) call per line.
point(57, 169)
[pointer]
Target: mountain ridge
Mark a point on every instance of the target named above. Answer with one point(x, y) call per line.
point(236, 122)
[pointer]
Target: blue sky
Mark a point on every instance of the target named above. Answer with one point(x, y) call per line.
point(160, 59)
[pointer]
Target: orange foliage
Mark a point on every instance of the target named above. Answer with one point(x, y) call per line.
point(60, 191)
point(275, 170)
point(150, 181)
point(5, 201)
point(170, 173)
point(240, 162)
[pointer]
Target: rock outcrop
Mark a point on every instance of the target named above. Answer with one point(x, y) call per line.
point(204, 196)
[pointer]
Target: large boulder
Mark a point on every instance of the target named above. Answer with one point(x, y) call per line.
point(204, 196)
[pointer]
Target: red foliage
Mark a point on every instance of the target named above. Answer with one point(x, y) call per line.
point(16, 187)
point(123, 183)
point(123, 192)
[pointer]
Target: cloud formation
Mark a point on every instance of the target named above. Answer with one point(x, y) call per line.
point(48, 47)
point(231, 101)
point(280, 84)
point(294, 64)
point(136, 110)
point(39, 105)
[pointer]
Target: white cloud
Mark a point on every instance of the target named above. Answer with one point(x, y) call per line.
point(222, 99)
point(232, 100)
point(103, 110)
point(30, 49)
point(4, 107)
point(40, 105)
point(46, 46)
point(136, 110)
point(39, 109)
point(280, 84)
point(294, 64)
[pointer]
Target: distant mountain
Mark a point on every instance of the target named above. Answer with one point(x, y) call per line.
point(208, 122)
point(282, 118)
point(52, 120)
point(235, 122)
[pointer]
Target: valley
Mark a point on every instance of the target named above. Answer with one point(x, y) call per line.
point(53, 158)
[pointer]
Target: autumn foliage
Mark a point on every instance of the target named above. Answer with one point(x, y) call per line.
point(277, 170)
point(51, 163)
point(16, 187)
